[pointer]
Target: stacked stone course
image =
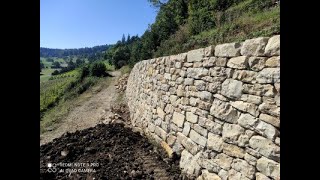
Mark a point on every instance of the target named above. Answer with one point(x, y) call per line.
point(218, 107)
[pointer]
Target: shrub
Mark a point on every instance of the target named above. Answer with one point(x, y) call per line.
point(55, 72)
point(98, 69)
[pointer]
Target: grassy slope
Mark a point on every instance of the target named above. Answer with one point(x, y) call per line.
point(240, 22)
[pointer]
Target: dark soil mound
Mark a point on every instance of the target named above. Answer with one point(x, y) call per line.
point(107, 151)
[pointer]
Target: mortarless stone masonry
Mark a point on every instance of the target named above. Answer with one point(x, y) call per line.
point(218, 107)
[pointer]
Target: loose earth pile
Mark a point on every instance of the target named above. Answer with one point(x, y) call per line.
point(112, 151)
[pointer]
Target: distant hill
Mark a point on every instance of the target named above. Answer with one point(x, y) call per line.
point(84, 52)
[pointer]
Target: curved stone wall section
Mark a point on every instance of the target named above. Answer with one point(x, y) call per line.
point(218, 107)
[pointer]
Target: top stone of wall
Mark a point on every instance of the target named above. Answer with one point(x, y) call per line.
point(218, 107)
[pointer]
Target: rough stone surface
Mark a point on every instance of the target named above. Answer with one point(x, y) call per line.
point(218, 107)
point(257, 63)
point(269, 75)
point(243, 167)
point(224, 111)
point(223, 160)
point(273, 62)
point(231, 132)
point(247, 121)
point(178, 119)
point(269, 167)
point(233, 150)
point(265, 147)
point(267, 130)
point(273, 46)
point(254, 47)
point(240, 62)
point(270, 119)
point(196, 137)
point(227, 50)
point(246, 107)
point(191, 117)
point(260, 176)
point(232, 88)
point(215, 142)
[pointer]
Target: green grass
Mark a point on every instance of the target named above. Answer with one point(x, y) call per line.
point(54, 115)
point(243, 21)
point(51, 91)
point(125, 69)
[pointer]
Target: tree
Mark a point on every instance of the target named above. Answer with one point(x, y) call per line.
point(79, 62)
point(123, 40)
point(55, 65)
point(55, 72)
point(98, 69)
point(84, 72)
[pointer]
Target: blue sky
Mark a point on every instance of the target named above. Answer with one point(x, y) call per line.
point(87, 23)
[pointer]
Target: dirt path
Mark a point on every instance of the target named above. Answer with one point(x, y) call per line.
point(88, 114)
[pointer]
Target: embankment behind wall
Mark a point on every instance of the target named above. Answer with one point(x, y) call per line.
point(218, 107)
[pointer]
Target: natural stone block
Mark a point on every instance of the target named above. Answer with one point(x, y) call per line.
point(257, 63)
point(223, 174)
point(200, 85)
point(233, 150)
point(186, 129)
point(191, 117)
point(246, 107)
point(231, 132)
point(267, 130)
point(248, 121)
point(251, 98)
point(224, 111)
point(215, 142)
point(188, 81)
point(196, 137)
point(259, 89)
point(205, 95)
point(265, 147)
point(221, 72)
point(200, 130)
point(273, 46)
point(178, 119)
point(209, 176)
point(171, 139)
point(208, 51)
point(269, 75)
point(273, 62)
point(232, 88)
point(245, 76)
point(244, 168)
point(161, 133)
point(260, 176)
point(250, 159)
point(270, 109)
point(195, 55)
point(213, 127)
point(243, 140)
point(254, 47)
point(270, 119)
point(197, 73)
point(235, 175)
point(240, 62)
point(269, 167)
point(227, 50)
point(209, 165)
point(223, 160)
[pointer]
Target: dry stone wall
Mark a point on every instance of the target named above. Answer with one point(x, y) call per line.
point(218, 107)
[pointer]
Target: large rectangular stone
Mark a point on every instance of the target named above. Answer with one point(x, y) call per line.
point(178, 119)
point(194, 136)
point(227, 50)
